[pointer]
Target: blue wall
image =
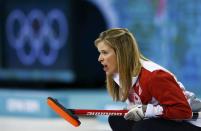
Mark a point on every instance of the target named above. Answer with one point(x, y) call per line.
point(168, 32)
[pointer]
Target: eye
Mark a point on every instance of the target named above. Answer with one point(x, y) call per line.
point(104, 52)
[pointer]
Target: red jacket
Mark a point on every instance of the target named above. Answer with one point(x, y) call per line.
point(159, 89)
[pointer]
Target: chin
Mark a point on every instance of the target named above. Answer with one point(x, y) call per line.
point(109, 73)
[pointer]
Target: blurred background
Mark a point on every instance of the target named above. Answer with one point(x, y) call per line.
point(47, 49)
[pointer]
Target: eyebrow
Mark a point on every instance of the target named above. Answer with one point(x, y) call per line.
point(103, 50)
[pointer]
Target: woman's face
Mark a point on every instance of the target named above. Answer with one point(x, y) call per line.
point(107, 58)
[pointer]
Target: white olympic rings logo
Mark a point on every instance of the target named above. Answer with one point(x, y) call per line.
point(36, 30)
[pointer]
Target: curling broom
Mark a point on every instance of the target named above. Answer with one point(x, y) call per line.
point(71, 115)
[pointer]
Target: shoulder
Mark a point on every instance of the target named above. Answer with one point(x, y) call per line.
point(151, 66)
point(155, 72)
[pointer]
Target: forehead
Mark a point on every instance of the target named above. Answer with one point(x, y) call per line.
point(103, 45)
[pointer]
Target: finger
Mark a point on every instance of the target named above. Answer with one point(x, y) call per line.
point(137, 117)
point(128, 116)
point(139, 114)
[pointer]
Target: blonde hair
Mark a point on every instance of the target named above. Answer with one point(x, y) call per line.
point(128, 60)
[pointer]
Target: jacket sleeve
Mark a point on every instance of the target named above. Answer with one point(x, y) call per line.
point(170, 96)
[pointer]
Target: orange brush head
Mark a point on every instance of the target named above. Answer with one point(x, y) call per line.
point(63, 112)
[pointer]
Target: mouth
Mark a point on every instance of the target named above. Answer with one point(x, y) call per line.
point(105, 68)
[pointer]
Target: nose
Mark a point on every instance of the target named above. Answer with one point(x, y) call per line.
point(100, 58)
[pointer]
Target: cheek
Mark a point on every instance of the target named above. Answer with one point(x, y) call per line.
point(114, 64)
